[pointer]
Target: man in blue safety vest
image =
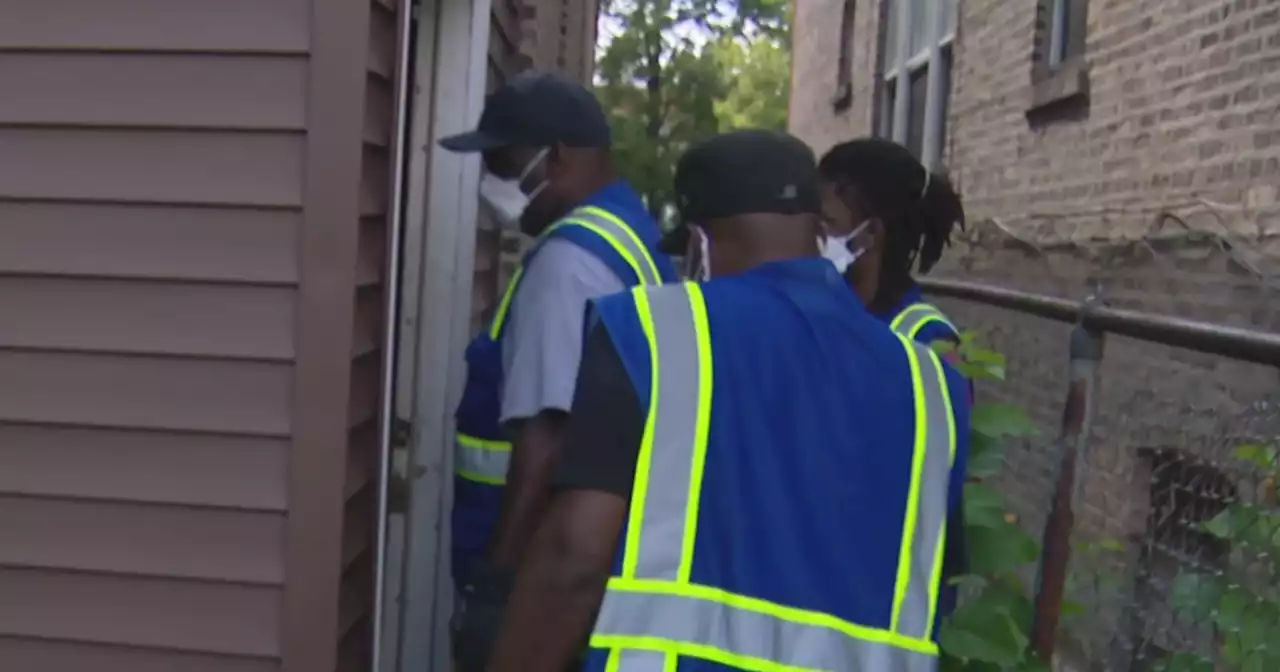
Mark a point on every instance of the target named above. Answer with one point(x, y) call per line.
point(545, 143)
point(757, 473)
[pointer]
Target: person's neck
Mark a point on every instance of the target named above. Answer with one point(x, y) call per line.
point(890, 296)
point(750, 255)
point(592, 183)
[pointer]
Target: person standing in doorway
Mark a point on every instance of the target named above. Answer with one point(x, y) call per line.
point(545, 143)
point(757, 472)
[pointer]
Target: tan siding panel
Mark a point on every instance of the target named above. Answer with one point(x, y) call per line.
point(142, 539)
point(379, 99)
point(375, 182)
point(362, 459)
point(367, 335)
point(366, 376)
point(355, 597)
point(142, 392)
point(183, 25)
point(371, 254)
point(357, 527)
point(158, 467)
point(181, 615)
point(181, 243)
point(42, 655)
point(382, 41)
point(154, 166)
point(212, 91)
point(147, 317)
point(354, 651)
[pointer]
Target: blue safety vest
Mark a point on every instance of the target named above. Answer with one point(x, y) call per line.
point(769, 528)
point(921, 321)
point(482, 448)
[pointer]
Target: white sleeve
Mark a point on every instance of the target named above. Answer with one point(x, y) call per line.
point(542, 344)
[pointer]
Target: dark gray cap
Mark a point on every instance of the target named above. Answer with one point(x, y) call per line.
point(745, 172)
point(536, 109)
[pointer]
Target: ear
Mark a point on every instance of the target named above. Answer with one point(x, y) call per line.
point(556, 163)
point(873, 236)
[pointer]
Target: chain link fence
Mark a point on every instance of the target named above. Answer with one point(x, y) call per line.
point(1175, 546)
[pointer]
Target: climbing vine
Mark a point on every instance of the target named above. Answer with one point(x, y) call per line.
point(1241, 606)
point(990, 628)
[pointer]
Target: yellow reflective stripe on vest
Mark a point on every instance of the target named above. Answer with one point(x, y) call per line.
point(913, 318)
point(482, 460)
point(634, 240)
point(652, 613)
point(916, 587)
point(614, 231)
point(668, 619)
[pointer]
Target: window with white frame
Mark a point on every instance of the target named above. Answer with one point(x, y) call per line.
point(915, 78)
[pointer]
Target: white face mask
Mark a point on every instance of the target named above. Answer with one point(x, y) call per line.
point(836, 249)
point(701, 272)
point(504, 198)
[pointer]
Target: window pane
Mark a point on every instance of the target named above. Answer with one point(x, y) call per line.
point(915, 112)
point(949, 26)
point(885, 129)
point(890, 36)
point(1058, 32)
point(946, 99)
point(920, 20)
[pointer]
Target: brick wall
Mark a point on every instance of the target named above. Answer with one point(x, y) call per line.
point(1160, 187)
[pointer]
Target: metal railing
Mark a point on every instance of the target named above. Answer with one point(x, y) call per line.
point(1092, 321)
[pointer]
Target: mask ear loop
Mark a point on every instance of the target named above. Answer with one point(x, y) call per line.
point(533, 163)
point(702, 272)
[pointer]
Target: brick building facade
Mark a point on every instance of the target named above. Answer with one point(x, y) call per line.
point(1130, 147)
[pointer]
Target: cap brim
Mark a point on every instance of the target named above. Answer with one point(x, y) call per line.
point(472, 141)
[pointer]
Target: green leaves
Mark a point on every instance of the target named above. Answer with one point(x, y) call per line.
point(990, 631)
point(997, 421)
point(1187, 662)
point(677, 71)
point(1251, 525)
point(1247, 623)
point(1263, 457)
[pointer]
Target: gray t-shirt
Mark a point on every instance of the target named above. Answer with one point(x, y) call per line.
point(542, 342)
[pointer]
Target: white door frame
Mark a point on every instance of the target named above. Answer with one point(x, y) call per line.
point(441, 227)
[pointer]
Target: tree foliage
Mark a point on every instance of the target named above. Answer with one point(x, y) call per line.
point(676, 71)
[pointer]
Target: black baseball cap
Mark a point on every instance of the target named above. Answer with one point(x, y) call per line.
point(536, 109)
point(745, 172)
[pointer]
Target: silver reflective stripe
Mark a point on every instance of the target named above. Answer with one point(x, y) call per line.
point(622, 237)
point(909, 321)
point(675, 426)
point(480, 460)
point(742, 633)
point(638, 660)
point(919, 603)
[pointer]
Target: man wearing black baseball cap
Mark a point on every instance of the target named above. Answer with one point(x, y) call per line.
point(545, 145)
point(756, 469)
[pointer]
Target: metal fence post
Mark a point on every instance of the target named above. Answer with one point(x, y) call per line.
point(1085, 351)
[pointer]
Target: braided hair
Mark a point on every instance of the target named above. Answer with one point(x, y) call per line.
point(919, 209)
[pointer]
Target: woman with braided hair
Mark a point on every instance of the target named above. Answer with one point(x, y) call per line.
point(887, 215)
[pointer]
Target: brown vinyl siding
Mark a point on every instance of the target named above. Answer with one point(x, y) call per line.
point(193, 211)
point(359, 527)
point(505, 58)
